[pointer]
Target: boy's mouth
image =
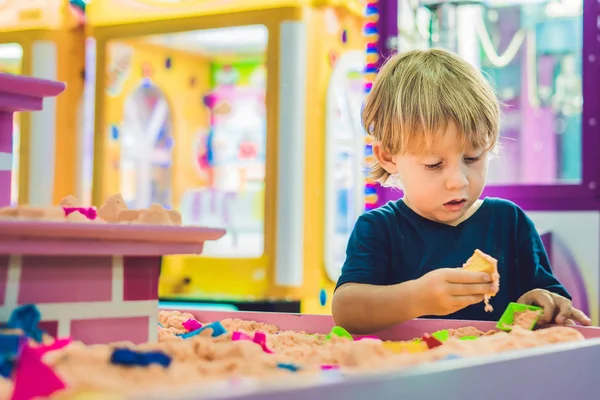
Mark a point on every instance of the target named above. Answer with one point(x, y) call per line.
point(455, 204)
point(456, 201)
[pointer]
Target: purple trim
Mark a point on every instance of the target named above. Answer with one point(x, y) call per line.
point(548, 198)
point(562, 197)
point(575, 202)
point(387, 28)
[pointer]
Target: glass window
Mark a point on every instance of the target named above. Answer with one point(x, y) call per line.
point(531, 52)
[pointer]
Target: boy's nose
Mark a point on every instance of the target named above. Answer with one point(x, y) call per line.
point(456, 180)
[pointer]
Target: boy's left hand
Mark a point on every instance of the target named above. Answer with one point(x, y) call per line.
point(557, 309)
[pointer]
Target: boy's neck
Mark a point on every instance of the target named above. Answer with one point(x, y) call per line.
point(469, 212)
point(463, 218)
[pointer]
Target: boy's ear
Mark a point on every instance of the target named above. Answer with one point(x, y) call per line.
point(384, 158)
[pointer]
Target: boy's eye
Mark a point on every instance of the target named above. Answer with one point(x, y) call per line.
point(433, 166)
point(471, 160)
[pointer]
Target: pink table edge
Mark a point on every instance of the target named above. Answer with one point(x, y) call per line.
point(311, 323)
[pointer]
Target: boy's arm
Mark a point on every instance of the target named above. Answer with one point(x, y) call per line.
point(363, 308)
point(362, 302)
point(533, 260)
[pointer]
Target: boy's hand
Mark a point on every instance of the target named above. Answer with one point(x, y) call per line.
point(557, 309)
point(447, 290)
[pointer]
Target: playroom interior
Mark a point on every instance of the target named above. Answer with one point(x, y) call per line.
point(217, 169)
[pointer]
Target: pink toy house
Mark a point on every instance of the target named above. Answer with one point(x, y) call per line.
point(97, 283)
point(18, 93)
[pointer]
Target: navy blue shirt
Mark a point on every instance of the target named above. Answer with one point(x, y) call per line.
point(393, 244)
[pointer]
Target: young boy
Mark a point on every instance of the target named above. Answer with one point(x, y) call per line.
point(435, 120)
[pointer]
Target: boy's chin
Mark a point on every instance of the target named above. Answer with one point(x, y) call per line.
point(448, 217)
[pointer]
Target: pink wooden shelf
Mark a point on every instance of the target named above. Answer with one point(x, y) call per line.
point(68, 238)
point(18, 93)
point(23, 93)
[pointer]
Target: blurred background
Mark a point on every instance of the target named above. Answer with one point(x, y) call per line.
point(245, 114)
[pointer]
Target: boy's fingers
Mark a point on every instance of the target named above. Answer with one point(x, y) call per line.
point(563, 309)
point(458, 275)
point(544, 300)
point(579, 316)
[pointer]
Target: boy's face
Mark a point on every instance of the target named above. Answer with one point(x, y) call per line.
point(444, 184)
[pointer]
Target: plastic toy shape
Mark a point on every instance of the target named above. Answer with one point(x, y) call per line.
point(27, 318)
point(406, 347)
point(191, 325)
point(339, 332)
point(216, 327)
point(430, 341)
point(289, 367)
point(511, 314)
point(11, 345)
point(328, 367)
point(442, 335)
point(130, 358)
point(259, 338)
point(31, 369)
point(88, 212)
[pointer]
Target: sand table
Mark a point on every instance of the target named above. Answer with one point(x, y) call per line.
point(204, 360)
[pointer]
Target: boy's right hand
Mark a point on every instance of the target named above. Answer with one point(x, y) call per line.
point(447, 290)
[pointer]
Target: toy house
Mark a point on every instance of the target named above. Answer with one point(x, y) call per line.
point(97, 283)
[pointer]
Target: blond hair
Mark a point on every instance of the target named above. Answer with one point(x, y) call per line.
point(418, 93)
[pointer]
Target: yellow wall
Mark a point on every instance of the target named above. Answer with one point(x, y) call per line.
point(324, 44)
point(71, 66)
point(187, 112)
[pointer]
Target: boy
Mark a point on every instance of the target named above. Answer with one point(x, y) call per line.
point(435, 120)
